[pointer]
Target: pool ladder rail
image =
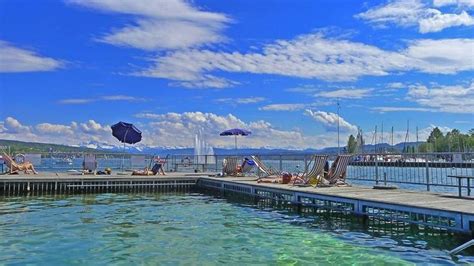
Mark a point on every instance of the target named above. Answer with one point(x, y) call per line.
point(462, 247)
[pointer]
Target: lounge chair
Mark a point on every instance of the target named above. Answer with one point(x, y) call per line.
point(247, 166)
point(14, 167)
point(337, 172)
point(89, 165)
point(157, 169)
point(314, 175)
point(265, 171)
point(231, 166)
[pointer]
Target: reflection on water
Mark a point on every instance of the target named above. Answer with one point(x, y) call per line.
point(194, 228)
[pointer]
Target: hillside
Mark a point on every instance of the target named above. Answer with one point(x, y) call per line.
point(34, 147)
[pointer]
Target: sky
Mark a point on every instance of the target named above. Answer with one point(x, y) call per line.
point(70, 69)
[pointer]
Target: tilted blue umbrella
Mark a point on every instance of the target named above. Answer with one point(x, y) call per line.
point(235, 132)
point(126, 133)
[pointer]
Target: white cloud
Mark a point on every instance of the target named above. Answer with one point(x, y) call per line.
point(402, 12)
point(406, 13)
point(161, 24)
point(178, 129)
point(72, 134)
point(314, 56)
point(15, 59)
point(111, 98)
point(12, 125)
point(460, 3)
point(283, 107)
point(346, 93)
point(440, 21)
point(400, 134)
point(396, 85)
point(451, 99)
point(386, 109)
point(248, 100)
point(330, 120)
point(444, 56)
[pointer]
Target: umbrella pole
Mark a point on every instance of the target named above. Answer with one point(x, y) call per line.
point(235, 142)
point(123, 154)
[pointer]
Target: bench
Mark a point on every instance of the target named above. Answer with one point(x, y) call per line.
point(460, 178)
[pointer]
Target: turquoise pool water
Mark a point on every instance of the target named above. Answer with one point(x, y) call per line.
point(189, 229)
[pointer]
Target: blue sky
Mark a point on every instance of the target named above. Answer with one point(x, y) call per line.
point(69, 69)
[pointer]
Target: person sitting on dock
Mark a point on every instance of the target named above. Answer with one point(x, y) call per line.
point(156, 169)
point(15, 167)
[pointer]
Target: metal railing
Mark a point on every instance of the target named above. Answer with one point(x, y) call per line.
point(411, 171)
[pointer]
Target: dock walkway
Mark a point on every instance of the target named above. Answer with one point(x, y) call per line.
point(430, 209)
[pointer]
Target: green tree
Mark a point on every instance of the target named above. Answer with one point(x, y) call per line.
point(351, 144)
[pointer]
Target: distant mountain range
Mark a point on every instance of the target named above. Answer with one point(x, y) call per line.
point(95, 147)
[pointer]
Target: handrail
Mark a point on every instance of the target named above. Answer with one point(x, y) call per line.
point(462, 247)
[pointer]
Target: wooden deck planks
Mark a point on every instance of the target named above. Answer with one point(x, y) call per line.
point(415, 199)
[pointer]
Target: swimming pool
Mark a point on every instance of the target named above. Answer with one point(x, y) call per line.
point(196, 228)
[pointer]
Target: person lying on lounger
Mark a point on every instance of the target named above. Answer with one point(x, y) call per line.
point(156, 169)
point(15, 167)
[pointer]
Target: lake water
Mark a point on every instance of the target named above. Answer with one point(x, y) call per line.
point(199, 229)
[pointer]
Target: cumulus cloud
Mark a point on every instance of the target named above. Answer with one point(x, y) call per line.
point(12, 125)
point(161, 24)
point(72, 134)
point(408, 13)
point(451, 99)
point(330, 120)
point(15, 59)
point(314, 56)
point(346, 93)
point(178, 129)
point(440, 21)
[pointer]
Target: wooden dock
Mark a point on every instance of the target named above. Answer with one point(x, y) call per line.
point(424, 208)
point(430, 209)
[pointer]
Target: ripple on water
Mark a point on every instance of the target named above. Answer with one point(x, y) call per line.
point(186, 229)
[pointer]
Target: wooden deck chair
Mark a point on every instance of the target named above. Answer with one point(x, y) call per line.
point(247, 166)
point(338, 169)
point(230, 166)
point(314, 175)
point(89, 165)
point(264, 171)
point(15, 167)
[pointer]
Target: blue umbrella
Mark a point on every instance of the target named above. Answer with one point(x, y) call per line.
point(126, 133)
point(235, 132)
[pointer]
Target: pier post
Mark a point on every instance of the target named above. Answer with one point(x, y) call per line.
point(305, 164)
point(281, 163)
point(376, 171)
point(427, 174)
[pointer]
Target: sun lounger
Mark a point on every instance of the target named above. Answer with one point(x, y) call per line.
point(230, 166)
point(247, 166)
point(337, 172)
point(14, 167)
point(314, 174)
point(265, 171)
point(89, 165)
